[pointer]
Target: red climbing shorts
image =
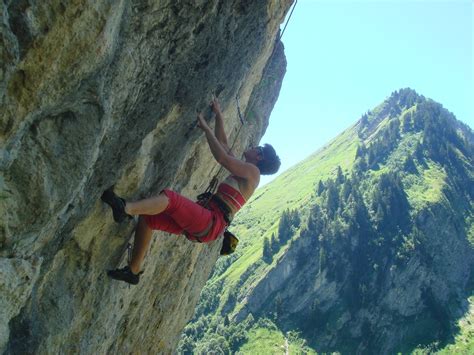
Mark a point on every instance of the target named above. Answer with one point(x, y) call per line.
point(183, 215)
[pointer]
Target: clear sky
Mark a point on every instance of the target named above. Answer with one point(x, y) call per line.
point(345, 57)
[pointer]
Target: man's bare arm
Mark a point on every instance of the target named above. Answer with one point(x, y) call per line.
point(235, 166)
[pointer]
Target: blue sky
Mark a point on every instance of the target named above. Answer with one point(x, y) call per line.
point(345, 57)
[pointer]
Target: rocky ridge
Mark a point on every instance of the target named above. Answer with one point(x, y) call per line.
point(357, 294)
point(364, 247)
point(101, 93)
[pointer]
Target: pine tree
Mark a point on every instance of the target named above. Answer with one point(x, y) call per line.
point(390, 204)
point(418, 118)
point(394, 110)
point(408, 97)
point(315, 220)
point(332, 198)
point(372, 159)
point(320, 188)
point(274, 244)
point(346, 189)
point(361, 151)
point(418, 153)
point(295, 219)
point(267, 252)
point(407, 123)
point(284, 228)
point(339, 176)
point(360, 165)
point(380, 215)
point(394, 131)
point(409, 165)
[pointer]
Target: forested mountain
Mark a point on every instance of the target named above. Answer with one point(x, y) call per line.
point(365, 247)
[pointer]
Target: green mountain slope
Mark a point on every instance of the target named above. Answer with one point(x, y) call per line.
point(291, 190)
point(366, 246)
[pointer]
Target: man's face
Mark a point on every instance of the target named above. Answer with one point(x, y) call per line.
point(254, 153)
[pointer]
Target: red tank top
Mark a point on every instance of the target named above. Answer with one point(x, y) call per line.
point(229, 191)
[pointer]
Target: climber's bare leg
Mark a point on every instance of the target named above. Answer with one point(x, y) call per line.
point(149, 206)
point(141, 243)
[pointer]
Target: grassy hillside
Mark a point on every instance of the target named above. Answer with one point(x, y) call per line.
point(260, 217)
point(267, 339)
point(366, 202)
point(293, 189)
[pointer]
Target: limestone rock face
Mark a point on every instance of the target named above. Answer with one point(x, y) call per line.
point(102, 93)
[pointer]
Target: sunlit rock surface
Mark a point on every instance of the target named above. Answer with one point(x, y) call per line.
point(101, 93)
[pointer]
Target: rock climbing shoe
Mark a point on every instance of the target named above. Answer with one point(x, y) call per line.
point(116, 203)
point(124, 274)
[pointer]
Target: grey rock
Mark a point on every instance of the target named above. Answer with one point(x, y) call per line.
point(17, 277)
point(95, 94)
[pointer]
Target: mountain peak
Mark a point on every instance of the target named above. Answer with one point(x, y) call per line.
point(380, 255)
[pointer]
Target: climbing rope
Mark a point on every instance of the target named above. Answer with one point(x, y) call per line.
point(288, 20)
point(214, 181)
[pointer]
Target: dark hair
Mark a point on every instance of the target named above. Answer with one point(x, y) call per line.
point(270, 162)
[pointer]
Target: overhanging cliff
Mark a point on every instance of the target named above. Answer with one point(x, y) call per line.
point(101, 93)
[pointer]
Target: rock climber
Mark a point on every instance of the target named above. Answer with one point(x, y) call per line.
point(174, 213)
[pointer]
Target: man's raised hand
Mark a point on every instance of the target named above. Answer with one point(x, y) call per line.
point(215, 106)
